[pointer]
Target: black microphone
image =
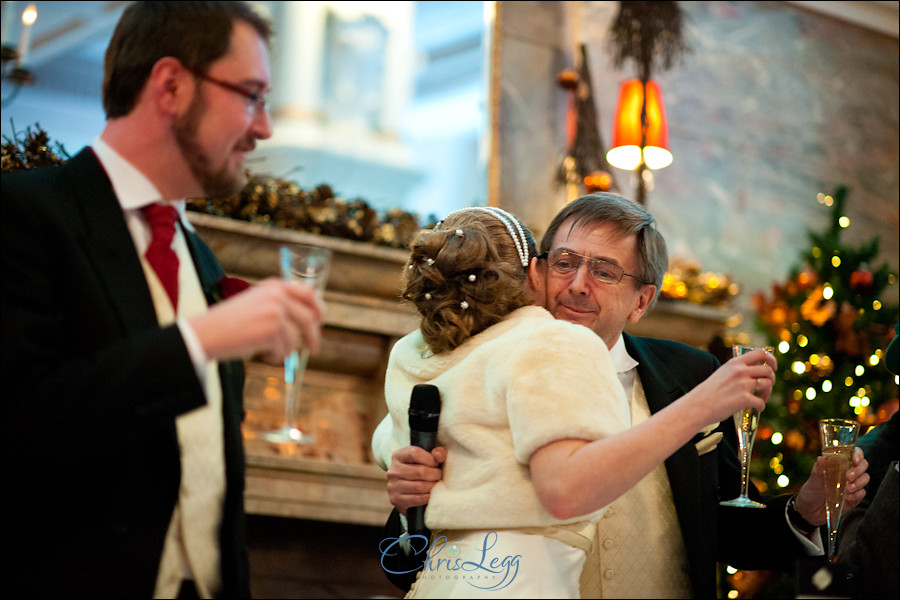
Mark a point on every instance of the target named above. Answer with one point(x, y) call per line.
point(424, 411)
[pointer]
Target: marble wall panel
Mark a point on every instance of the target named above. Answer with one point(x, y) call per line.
point(772, 105)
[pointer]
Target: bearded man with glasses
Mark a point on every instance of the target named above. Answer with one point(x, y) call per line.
point(122, 352)
point(601, 265)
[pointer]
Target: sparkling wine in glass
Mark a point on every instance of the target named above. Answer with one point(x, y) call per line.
point(307, 265)
point(838, 437)
point(745, 421)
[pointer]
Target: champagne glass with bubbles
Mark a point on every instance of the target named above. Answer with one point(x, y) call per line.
point(838, 437)
point(306, 265)
point(746, 421)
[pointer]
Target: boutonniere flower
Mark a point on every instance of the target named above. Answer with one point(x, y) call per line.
point(229, 286)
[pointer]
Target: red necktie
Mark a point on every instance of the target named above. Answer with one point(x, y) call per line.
point(160, 255)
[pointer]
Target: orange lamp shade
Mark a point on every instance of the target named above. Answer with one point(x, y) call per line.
point(628, 146)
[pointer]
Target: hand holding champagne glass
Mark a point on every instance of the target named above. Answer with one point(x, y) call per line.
point(838, 437)
point(746, 421)
point(306, 265)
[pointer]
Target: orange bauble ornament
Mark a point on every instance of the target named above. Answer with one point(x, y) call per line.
point(598, 181)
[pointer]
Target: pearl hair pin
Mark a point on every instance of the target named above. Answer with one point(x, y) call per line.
point(472, 277)
point(464, 305)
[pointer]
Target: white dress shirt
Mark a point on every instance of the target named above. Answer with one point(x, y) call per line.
point(134, 191)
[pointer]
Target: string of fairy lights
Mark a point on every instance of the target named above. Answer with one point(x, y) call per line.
point(829, 325)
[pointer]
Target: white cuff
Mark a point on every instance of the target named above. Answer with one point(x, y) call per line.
point(404, 524)
point(194, 348)
point(812, 544)
point(404, 531)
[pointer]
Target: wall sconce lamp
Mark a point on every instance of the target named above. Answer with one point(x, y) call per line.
point(13, 59)
point(640, 132)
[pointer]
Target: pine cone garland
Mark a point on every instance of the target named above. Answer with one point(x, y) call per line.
point(284, 204)
point(31, 151)
point(265, 200)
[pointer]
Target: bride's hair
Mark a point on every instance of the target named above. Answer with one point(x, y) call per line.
point(467, 273)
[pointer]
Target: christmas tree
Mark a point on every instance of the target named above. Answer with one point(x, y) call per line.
point(829, 327)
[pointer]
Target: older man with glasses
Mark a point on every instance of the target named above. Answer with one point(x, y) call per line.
point(602, 264)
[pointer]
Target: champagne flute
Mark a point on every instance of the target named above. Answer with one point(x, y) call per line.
point(838, 437)
point(746, 421)
point(307, 265)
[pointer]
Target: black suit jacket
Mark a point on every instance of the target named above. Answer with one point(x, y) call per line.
point(743, 538)
point(93, 387)
point(868, 545)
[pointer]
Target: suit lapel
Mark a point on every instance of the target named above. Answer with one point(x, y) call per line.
point(209, 270)
point(660, 386)
point(107, 241)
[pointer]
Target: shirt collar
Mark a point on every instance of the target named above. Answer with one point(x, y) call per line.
point(622, 361)
point(132, 188)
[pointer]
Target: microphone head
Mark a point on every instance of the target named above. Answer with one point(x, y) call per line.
point(424, 407)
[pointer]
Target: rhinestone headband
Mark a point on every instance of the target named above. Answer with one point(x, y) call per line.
point(511, 223)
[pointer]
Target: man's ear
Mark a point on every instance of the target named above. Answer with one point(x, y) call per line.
point(648, 292)
point(172, 86)
point(537, 281)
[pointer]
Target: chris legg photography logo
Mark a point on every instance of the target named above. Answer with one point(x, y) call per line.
point(443, 559)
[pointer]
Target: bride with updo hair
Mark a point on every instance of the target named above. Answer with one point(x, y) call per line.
point(534, 421)
point(512, 380)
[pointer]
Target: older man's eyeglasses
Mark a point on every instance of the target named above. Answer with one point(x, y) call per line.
point(567, 262)
point(256, 103)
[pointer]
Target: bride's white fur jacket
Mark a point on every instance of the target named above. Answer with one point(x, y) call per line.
point(520, 384)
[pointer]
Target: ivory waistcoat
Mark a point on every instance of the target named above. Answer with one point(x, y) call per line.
point(638, 550)
point(192, 549)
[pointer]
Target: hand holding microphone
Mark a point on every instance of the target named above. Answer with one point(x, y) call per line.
point(424, 413)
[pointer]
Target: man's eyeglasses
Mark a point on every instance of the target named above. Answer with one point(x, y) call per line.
point(566, 261)
point(257, 103)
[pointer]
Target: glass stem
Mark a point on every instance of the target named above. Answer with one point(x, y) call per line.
point(290, 371)
point(294, 367)
point(745, 471)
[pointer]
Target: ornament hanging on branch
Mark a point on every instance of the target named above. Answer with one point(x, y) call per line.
point(861, 279)
point(588, 150)
point(584, 168)
point(567, 174)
